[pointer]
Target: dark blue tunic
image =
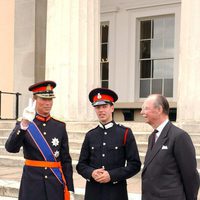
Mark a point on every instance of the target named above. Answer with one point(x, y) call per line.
point(40, 183)
point(104, 147)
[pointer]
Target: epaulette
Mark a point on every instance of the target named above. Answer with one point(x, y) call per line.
point(58, 120)
point(93, 129)
point(19, 119)
point(121, 125)
point(125, 129)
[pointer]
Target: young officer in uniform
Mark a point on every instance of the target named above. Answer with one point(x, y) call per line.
point(47, 173)
point(109, 153)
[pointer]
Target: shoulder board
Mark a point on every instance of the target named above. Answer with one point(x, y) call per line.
point(59, 120)
point(93, 129)
point(121, 125)
point(19, 119)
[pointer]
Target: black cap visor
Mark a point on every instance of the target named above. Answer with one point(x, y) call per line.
point(101, 102)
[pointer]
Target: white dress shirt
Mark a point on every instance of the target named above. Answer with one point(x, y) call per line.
point(160, 128)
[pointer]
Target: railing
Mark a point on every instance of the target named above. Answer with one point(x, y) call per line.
point(13, 105)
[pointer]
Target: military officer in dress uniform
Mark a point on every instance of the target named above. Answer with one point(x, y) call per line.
point(47, 173)
point(109, 153)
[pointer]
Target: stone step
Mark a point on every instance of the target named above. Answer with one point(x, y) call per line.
point(139, 136)
point(18, 161)
point(190, 127)
point(83, 126)
point(9, 191)
point(197, 149)
point(76, 135)
point(9, 160)
point(75, 148)
point(141, 139)
point(141, 131)
point(7, 124)
point(5, 132)
point(86, 126)
point(75, 155)
point(77, 144)
point(195, 138)
point(9, 188)
point(3, 140)
point(7, 198)
point(4, 152)
point(142, 144)
point(80, 135)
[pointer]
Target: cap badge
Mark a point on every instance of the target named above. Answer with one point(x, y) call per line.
point(48, 87)
point(98, 96)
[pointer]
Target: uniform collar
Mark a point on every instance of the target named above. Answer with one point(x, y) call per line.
point(42, 118)
point(106, 126)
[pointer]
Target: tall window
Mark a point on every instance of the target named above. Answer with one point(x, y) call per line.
point(156, 55)
point(104, 65)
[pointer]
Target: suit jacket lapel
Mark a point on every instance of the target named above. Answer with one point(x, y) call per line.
point(151, 153)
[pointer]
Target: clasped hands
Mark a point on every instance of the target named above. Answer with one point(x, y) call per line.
point(101, 175)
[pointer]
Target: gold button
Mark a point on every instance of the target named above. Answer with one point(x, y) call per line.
point(45, 168)
point(46, 177)
point(44, 124)
point(44, 133)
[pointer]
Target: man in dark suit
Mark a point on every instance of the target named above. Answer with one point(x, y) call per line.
point(48, 166)
point(109, 153)
point(169, 171)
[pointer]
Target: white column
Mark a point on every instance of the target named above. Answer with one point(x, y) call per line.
point(188, 103)
point(24, 49)
point(72, 55)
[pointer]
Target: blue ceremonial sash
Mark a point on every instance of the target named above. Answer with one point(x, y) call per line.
point(44, 148)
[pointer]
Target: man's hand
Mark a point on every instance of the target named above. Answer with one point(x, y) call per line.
point(97, 173)
point(104, 177)
point(29, 112)
point(101, 176)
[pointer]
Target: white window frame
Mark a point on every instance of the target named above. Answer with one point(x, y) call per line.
point(111, 18)
point(151, 11)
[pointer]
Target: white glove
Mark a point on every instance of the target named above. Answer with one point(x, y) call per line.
point(72, 195)
point(29, 112)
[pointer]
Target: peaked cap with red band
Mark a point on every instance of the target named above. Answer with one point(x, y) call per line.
point(43, 89)
point(102, 96)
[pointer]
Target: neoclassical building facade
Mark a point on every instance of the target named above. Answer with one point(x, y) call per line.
point(134, 47)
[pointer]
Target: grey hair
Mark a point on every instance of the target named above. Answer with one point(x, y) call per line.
point(161, 100)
